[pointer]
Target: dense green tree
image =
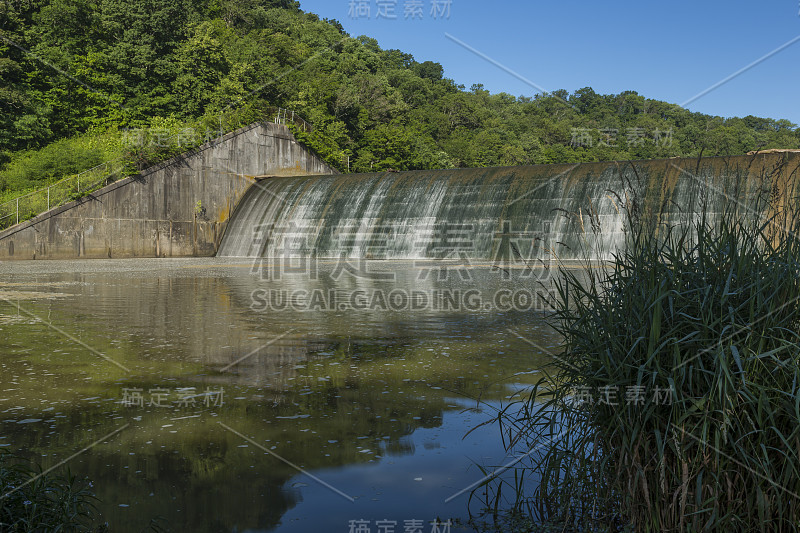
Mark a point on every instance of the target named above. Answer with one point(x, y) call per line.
point(68, 67)
point(201, 67)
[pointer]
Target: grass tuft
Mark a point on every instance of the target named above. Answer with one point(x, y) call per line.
point(31, 501)
point(675, 403)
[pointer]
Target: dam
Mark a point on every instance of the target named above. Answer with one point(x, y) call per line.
point(539, 211)
point(257, 192)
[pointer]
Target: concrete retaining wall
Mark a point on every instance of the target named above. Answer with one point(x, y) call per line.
point(179, 208)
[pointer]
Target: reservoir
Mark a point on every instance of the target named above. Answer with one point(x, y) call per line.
point(232, 394)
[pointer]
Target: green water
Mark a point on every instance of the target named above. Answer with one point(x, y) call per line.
point(301, 418)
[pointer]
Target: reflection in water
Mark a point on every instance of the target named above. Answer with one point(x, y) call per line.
point(373, 402)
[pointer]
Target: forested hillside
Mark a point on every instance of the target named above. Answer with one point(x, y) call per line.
point(83, 74)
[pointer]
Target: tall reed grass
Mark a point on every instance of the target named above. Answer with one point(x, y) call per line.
point(702, 322)
point(32, 501)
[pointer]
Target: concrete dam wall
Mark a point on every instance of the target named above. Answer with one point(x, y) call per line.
point(209, 201)
point(179, 208)
point(528, 212)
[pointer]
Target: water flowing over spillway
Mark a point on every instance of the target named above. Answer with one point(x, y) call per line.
point(532, 212)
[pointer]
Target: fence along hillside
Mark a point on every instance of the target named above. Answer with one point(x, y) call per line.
point(29, 205)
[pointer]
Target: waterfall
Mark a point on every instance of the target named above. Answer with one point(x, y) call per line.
point(532, 212)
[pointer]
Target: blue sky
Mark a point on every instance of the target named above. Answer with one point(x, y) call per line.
point(669, 51)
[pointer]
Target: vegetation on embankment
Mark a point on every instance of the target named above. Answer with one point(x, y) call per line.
point(674, 403)
point(128, 150)
point(98, 68)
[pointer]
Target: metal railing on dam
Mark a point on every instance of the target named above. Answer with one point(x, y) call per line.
point(70, 188)
point(31, 204)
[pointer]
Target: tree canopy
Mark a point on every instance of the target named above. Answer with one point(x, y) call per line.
point(72, 67)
